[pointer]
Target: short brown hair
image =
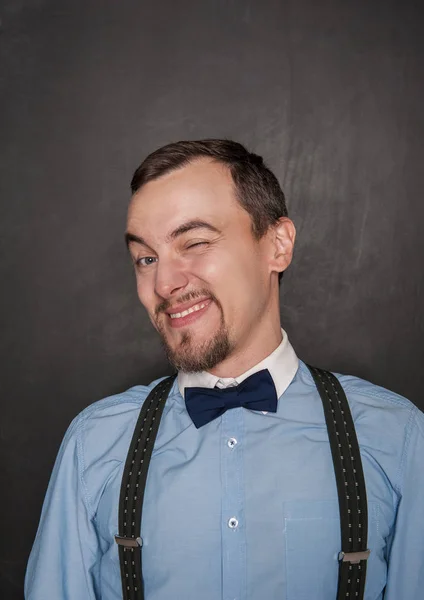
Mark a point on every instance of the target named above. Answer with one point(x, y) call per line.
point(257, 188)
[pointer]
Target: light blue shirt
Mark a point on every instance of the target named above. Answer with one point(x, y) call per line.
point(244, 508)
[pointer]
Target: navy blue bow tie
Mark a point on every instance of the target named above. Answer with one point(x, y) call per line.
point(256, 392)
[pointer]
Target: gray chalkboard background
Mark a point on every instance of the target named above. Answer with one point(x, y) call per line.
point(331, 93)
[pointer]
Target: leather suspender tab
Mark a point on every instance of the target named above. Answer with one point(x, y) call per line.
point(128, 542)
point(354, 557)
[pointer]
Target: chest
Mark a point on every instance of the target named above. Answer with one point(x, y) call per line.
point(251, 497)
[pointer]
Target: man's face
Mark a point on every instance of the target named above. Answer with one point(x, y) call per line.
point(193, 248)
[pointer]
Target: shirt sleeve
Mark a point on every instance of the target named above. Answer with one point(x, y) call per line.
point(65, 553)
point(405, 577)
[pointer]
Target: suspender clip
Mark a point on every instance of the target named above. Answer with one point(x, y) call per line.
point(128, 542)
point(354, 557)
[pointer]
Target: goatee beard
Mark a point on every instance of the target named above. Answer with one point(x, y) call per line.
point(194, 358)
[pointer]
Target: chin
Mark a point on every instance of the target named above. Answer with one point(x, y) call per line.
point(196, 355)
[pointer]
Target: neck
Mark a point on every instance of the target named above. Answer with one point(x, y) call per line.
point(259, 343)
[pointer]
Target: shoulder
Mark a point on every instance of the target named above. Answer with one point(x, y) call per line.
point(375, 408)
point(98, 438)
point(362, 391)
point(389, 427)
point(102, 425)
point(122, 403)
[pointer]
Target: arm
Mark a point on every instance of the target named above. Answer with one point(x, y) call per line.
point(405, 577)
point(65, 552)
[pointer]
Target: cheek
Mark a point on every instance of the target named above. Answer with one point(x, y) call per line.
point(227, 264)
point(241, 268)
point(233, 279)
point(143, 296)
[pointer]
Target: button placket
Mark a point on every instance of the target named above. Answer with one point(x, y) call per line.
point(233, 494)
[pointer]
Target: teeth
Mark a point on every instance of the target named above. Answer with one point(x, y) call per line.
point(194, 308)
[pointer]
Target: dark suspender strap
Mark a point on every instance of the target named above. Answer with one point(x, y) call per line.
point(350, 485)
point(132, 490)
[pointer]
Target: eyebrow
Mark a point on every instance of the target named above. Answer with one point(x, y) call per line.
point(180, 230)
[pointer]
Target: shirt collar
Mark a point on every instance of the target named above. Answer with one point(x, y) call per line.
point(282, 363)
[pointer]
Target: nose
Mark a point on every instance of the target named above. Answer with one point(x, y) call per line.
point(170, 277)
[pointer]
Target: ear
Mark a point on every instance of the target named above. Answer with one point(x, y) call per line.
point(283, 235)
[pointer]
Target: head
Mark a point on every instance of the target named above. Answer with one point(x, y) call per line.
point(208, 232)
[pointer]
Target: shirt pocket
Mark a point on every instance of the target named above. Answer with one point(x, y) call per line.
point(312, 546)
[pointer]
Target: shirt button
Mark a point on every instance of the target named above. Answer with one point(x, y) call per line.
point(232, 523)
point(231, 443)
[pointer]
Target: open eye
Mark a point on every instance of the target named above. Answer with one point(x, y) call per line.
point(139, 261)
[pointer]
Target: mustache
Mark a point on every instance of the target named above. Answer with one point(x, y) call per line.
point(186, 298)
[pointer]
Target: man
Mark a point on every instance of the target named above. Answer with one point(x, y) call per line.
point(244, 505)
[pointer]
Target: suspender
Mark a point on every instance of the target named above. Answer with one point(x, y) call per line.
point(132, 489)
point(350, 481)
point(347, 467)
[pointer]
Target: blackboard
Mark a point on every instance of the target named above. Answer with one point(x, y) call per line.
point(330, 93)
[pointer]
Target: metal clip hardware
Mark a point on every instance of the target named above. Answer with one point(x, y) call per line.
point(354, 557)
point(128, 542)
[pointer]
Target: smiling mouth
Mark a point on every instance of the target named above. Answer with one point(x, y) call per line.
point(186, 317)
point(190, 310)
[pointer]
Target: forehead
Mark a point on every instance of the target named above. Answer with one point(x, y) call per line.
point(203, 189)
